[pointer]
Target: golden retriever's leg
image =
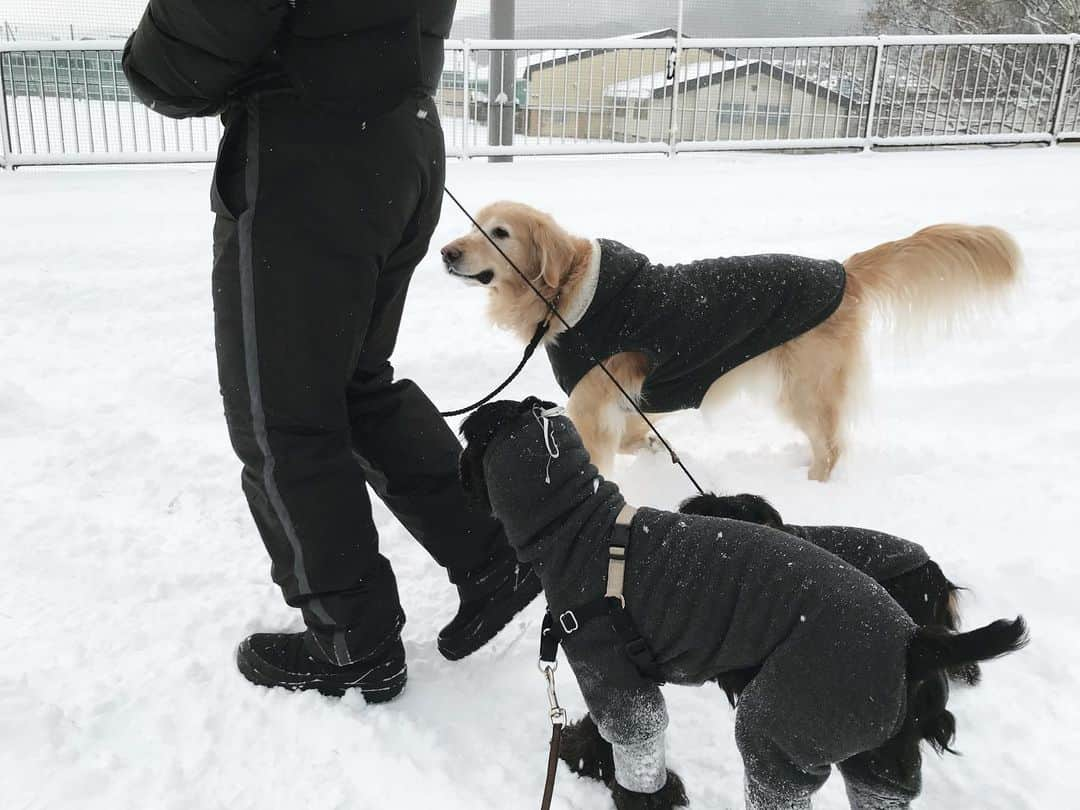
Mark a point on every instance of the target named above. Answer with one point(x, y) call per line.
point(637, 435)
point(807, 399)
point(597, 408)
point(819, 374)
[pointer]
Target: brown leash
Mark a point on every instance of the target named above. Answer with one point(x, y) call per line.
point(553, 766)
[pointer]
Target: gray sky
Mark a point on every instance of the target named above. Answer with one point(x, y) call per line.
point(535, 17)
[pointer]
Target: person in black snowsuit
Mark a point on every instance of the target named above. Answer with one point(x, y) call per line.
point(693, 322)
point(838, 665)
point(327, 189)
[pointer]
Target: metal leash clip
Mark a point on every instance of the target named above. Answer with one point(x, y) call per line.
point(556, 712)
point(558, 720)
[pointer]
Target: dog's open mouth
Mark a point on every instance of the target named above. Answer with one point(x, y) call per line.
point(483, 277)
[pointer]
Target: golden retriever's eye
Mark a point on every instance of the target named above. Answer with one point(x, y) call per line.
point(500, 232)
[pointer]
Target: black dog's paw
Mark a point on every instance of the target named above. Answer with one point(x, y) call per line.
point(586, 752)
point(670, 796)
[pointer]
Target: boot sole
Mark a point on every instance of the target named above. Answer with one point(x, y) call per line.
point(528, 591)
point(262, 673)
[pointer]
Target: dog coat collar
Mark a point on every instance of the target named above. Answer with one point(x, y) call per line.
point(576, 309)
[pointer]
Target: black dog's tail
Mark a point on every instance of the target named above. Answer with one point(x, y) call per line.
point(931, 599)
point(935, 648)
point(933, 654)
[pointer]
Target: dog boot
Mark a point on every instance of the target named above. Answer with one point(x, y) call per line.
point(490, 598)
point(670, 796)
point(284, 659)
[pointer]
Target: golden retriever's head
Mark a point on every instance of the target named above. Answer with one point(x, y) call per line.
point(533, 241)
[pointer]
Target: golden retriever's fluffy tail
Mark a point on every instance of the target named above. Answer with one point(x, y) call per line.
point(936, 276)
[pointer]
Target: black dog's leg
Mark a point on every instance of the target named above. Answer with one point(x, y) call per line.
point(670, 796)
point(590, 755)
point(586, 752)
point(888, 778)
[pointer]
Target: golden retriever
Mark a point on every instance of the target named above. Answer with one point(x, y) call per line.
point(927, 277)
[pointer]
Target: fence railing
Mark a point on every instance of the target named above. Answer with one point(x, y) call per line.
point(68, 102)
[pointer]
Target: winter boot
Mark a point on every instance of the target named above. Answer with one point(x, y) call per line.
point(490, 598)
point(287, 660)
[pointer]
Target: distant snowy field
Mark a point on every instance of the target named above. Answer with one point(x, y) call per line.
point(131, 567)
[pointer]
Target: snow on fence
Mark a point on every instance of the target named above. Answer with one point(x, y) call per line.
point(68, 102)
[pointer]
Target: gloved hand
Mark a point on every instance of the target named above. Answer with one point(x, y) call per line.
point(670, 796)
point(586, 752)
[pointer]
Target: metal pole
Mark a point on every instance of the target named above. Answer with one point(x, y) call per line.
point(5, 139)
point(875, 87)
point(673, 142)
point(1063, 94)
point(502, 75)
point(467, 99)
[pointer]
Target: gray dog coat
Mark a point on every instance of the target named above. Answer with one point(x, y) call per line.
point(693, 322)
point(708, 595)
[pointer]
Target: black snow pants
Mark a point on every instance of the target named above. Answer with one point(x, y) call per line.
point(322, 216)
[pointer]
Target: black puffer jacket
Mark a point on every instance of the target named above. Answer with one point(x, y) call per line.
point(191, 57)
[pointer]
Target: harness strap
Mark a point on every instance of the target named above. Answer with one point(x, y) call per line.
point(616, 573)
point(554, 630)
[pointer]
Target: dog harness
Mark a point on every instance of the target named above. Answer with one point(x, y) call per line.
point(612, 605)
point(693, 322)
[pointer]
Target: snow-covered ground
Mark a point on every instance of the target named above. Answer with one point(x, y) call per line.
point(131, 567)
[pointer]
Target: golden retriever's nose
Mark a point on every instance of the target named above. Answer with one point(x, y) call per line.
point(450, 254)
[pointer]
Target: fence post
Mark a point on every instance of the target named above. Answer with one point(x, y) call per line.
point(501, 82)
point(674, 136)
point(875, 87)
point(466, 51)
point(5, 138)
point(1063, 93)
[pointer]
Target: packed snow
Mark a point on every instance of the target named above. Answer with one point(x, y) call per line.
point(132, 568)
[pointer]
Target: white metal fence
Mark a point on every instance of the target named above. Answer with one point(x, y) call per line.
point(69, 103)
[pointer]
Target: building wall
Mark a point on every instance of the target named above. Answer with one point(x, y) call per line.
point(757, 106)
point(577, 85)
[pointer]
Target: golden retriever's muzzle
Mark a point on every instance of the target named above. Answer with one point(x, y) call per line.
point(452, 258)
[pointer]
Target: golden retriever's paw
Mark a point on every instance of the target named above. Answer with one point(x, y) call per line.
point(648, 444)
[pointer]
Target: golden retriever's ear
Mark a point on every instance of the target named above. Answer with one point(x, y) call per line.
point(554, 250)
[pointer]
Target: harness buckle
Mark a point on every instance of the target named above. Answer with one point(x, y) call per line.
point(566, 625)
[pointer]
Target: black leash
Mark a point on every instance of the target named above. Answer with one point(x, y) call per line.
point(553, 312)
point(538, 335)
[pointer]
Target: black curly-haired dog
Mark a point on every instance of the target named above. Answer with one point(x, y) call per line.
point(901, 567)
point(840, 674)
